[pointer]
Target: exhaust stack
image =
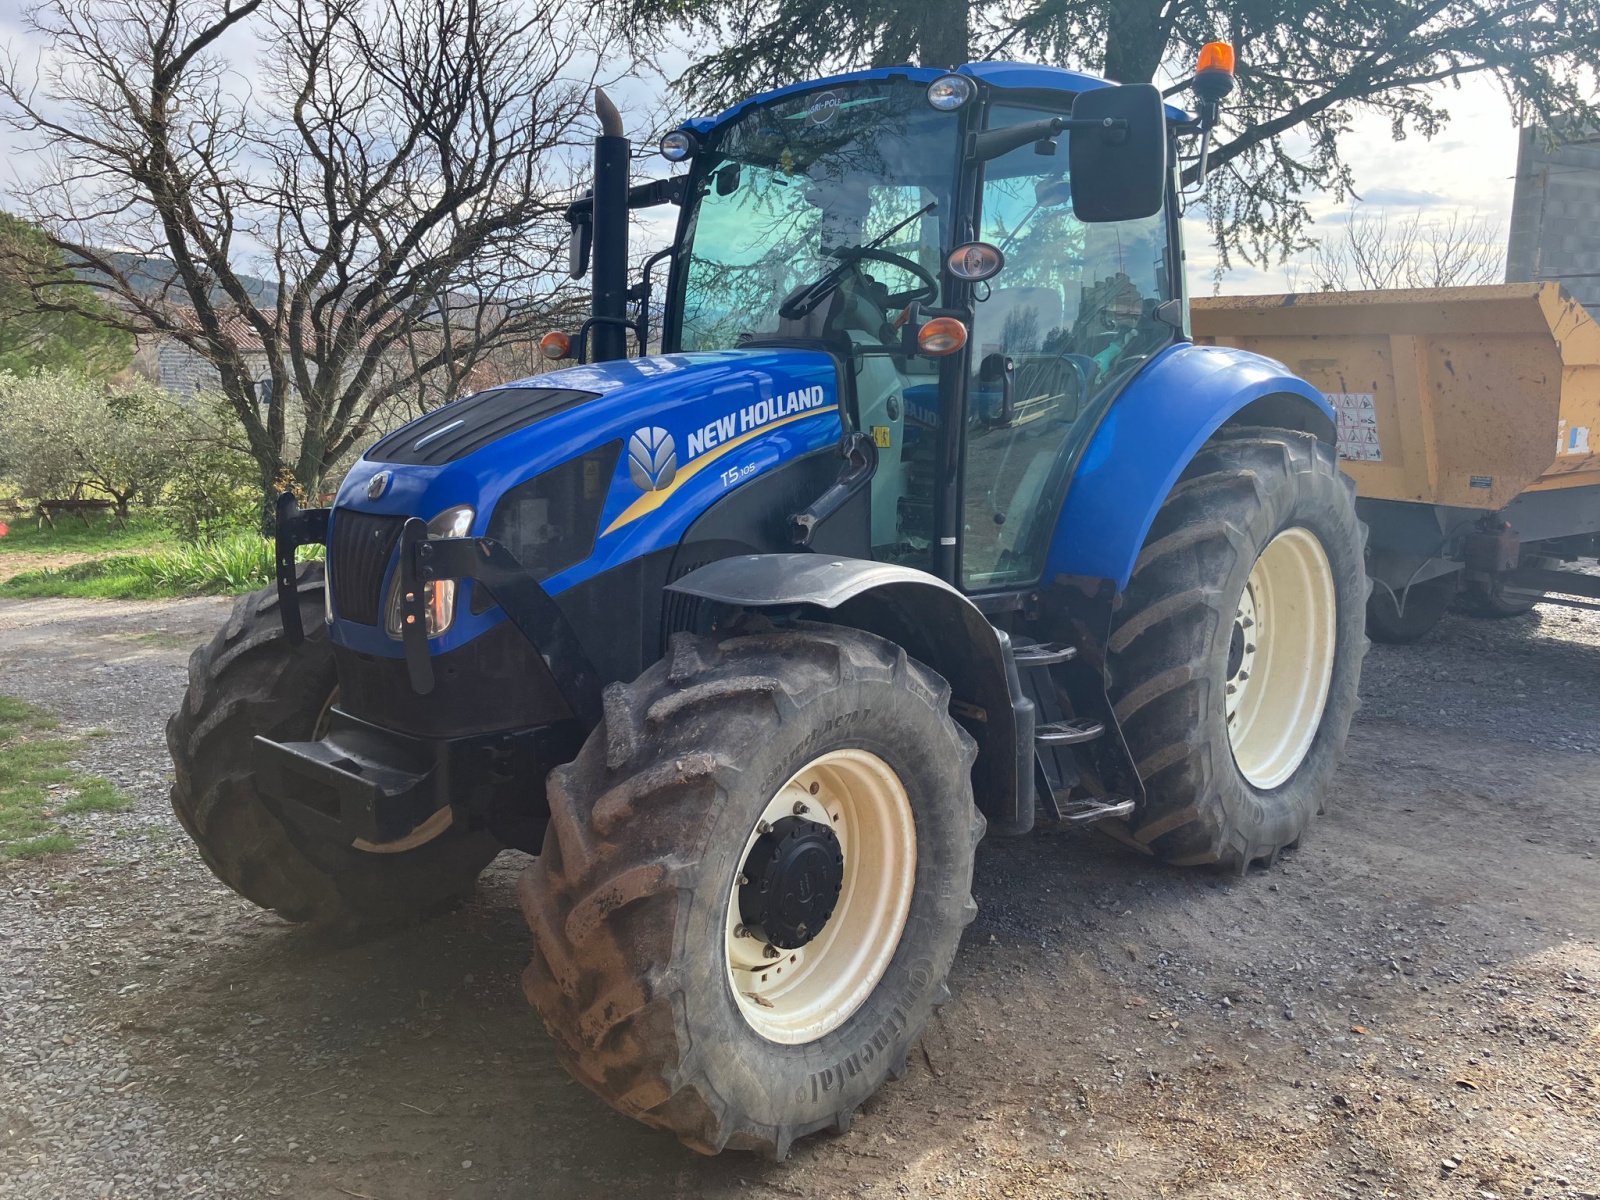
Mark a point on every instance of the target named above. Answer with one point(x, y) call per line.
point(609, 282)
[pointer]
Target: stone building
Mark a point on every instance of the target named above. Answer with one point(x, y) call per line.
point(1555, 214)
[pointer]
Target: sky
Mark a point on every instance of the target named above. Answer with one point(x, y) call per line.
point(1469, 166)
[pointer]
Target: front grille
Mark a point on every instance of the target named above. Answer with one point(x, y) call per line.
point(358, 557)
point(455, 430)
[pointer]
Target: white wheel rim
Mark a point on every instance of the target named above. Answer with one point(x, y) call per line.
point(798, 995)
point(1281, 658)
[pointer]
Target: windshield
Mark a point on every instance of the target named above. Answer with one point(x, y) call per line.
point(787, 187)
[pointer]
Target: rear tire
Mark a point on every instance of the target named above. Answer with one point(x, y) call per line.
point(249, 680)
point(1261, 522)
point(636, 938)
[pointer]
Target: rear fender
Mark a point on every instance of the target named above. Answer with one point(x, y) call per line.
point(933, 622)
point(1152, 431)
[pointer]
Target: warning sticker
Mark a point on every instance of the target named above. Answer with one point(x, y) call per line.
point(1573, 439)
point(1358, 425)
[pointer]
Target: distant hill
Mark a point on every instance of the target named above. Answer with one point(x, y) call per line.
point(150, 276)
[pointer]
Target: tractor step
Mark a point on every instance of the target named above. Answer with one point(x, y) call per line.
point(1043, 654)
point(1083, 812)
point(1067, 733)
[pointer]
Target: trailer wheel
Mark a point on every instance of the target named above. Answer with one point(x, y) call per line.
point(249, 680)
point(1496, 602)
point(753, 883)
point(1236, 651)
point(1425, 606)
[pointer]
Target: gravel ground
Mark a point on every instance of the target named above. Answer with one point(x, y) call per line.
point(1408, 1006)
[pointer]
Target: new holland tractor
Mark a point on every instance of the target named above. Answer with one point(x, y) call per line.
point(928, 517)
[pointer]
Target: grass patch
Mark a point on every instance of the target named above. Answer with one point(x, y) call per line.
point(37, 785)
point(239, 562)
point(71, 536)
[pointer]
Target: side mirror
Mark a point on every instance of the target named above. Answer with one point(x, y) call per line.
point(578, 247)
point(1118, 153)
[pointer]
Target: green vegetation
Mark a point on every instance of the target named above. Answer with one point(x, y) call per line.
point(71, 536)
point(37, 786)
point(68, 434)
point(239, 562)
point(33, 280)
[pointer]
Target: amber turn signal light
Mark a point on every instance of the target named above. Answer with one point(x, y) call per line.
point(555, 344)
point(941, 336)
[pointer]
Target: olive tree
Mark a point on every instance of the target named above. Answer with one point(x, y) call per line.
point(71, 436)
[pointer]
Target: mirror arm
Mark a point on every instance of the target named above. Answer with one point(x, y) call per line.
point(992, 143)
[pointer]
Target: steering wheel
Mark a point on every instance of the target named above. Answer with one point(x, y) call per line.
point(806, 297)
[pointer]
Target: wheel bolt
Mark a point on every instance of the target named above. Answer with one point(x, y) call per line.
point(800, 808)
point(770, 952)
point(739, 931)
point(1243, 675)
point(763, 827)
point(1231, 689)
point(742, 881)
point(1249, 647)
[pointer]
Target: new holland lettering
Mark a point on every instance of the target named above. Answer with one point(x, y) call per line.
point(754, 416)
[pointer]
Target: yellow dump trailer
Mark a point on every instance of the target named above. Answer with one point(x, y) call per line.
point(1470, 421)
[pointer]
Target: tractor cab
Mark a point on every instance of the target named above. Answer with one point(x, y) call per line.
point(989, 255)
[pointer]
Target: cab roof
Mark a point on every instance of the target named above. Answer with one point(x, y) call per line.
point(1015, 76)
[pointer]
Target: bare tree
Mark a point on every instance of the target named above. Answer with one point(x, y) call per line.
point(1419, 251)
point(397, 173)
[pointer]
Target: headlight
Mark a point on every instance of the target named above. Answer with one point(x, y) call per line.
point(679, 145)
point(949, 92)
point(439, 597)
point(550, 522)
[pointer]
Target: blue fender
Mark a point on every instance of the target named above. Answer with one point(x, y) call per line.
point(1153, 429)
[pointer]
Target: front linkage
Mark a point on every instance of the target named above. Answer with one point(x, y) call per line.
point(372, 785)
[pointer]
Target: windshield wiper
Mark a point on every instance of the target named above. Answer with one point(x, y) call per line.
point(807, 296)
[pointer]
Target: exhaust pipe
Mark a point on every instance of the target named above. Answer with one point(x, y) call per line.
point(613, 160)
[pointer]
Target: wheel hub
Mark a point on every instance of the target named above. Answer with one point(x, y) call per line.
point(837, 847)
point(1241, 654)
point(792, 878)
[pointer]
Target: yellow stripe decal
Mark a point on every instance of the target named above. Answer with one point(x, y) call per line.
point(651, 501)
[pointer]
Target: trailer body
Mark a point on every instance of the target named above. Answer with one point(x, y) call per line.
point(1468, 417)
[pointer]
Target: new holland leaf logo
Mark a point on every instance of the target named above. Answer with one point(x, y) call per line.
point(652, 459)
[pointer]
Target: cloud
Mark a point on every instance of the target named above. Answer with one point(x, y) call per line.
point(1407, 197)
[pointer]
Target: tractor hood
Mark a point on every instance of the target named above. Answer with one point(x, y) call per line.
point(670, 434)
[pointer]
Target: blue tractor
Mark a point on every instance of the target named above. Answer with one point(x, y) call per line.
point(926, 518)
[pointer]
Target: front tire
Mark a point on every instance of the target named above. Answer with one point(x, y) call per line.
point(1236, 651)
point(718, 762)
point(249, 680)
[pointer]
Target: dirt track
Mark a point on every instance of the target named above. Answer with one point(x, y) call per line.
point(1409, 1006)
